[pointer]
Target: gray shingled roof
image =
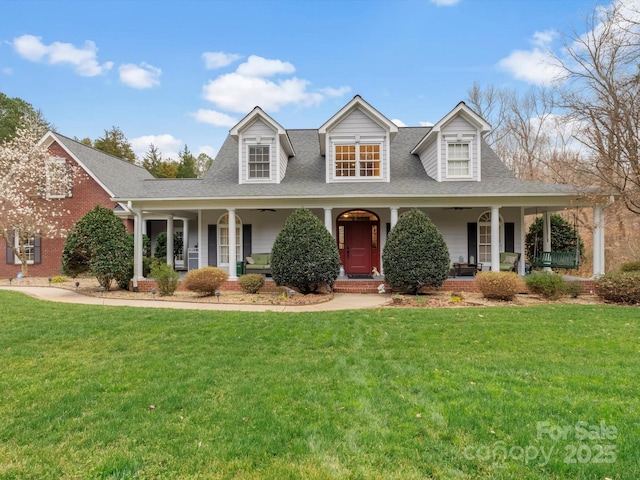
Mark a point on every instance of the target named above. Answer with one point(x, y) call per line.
point(122, 178)
point(305, 176)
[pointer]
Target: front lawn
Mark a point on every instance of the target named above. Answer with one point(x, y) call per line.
point(498, 393)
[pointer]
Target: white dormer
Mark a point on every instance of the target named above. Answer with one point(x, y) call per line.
point(356, 143)
point(451, 150)
point(264, 148)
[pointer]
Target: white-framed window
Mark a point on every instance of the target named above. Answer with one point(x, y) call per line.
point(223, 239)
point(259, 162)
point(459, 159)
point(358, 160)
point(29, 245)
point(484, 237)
point(57, 178)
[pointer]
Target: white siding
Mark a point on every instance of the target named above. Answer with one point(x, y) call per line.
point(429, 159)
point(459, 125)
point(282, 164)
point(358, 125)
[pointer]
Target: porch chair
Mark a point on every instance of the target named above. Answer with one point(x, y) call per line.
point(509, 261)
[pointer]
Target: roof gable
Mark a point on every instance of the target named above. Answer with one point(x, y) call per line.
point(459, 110)
point(357, 103)
point(258, 114)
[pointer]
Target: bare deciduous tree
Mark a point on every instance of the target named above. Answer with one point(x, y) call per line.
point(601, 93)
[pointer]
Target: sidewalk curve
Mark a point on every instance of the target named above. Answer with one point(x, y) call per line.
point(340, 301)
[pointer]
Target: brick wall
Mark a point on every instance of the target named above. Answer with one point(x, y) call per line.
point(87, 193)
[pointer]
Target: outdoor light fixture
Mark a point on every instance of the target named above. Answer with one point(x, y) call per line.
point(217, 294)
point(49, 280)
point(101, 290)
point(291, 293)
point(153, 293)
point(77, 285)
point(10, 280)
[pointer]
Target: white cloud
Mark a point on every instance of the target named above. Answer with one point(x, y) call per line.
point(398, 123)
point(256, 66)
point(167, 144)
point(247, 87)
point(219, 59)
point(535, 65)
point(84, 60)
point(214, 118)
point(143, 76)
point(207, 150)
point(7, 71)
point(445, 3)
point(426, 124)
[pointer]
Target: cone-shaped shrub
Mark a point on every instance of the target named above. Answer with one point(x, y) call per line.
point(304, 255)
point(415, 254)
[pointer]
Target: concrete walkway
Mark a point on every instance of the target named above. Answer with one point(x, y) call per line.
point(341, 301)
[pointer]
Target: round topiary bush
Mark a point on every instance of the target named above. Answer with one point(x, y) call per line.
point(205, 280)
point(415, 254)
point(619, 287)
point(304, 255)
point(251, 282)
point(499, 285)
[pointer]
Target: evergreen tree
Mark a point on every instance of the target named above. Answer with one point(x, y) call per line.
point(304, 255)
point(15, 112)
point(152, 160)
point(115, 143)
point(186, 164)
point(415, 254)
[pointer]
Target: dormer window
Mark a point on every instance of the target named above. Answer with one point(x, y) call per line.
point(459, 159)
point(259, 161)
point(358, 160)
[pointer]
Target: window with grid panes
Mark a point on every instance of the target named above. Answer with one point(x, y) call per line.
point(357, 160)
point(259, 161)
point(458, 160)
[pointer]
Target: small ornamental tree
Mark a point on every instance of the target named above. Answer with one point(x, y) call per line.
point(31, 189)
point(563, 237)
point(415, 254)
point(304, 255)
point(97, 244)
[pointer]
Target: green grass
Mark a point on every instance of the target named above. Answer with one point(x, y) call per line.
point(376, 394)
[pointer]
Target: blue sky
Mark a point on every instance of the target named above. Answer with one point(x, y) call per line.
point(183, 72)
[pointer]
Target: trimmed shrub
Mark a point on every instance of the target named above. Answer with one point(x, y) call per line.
point(166, 278)
point(59, 279)
point(97, 244)
point(499, 285)
point(573, 288)
point(548, 285)
point(205, 280)
point(630, 266)
point(619, 287)
point(304, 255)
point(251, 282)
point(415, 254)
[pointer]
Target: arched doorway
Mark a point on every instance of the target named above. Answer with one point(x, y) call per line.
point(359, 241)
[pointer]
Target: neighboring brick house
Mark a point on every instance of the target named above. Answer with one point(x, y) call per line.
point(98, 178)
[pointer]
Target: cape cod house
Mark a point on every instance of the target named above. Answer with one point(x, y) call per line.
point(358, 172)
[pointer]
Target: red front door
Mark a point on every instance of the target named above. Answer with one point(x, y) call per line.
point(358, 248)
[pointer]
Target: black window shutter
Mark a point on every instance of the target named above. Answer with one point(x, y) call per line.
point(10, 256)
point(388, 228)
point(246, 241)
point(509, 237)
point(213, 245)
point(472, 241)
point(37, 249)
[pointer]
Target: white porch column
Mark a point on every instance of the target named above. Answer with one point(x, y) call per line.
point(185, 238)
point(170, 240)
point(598, 241)
point(495, 239)
point(137, 248)
point(521, 263)
point(546, 235)
point(232, 244)
point(200, 240)
point(328, 223)
point(546, 232)
point(394, 216)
